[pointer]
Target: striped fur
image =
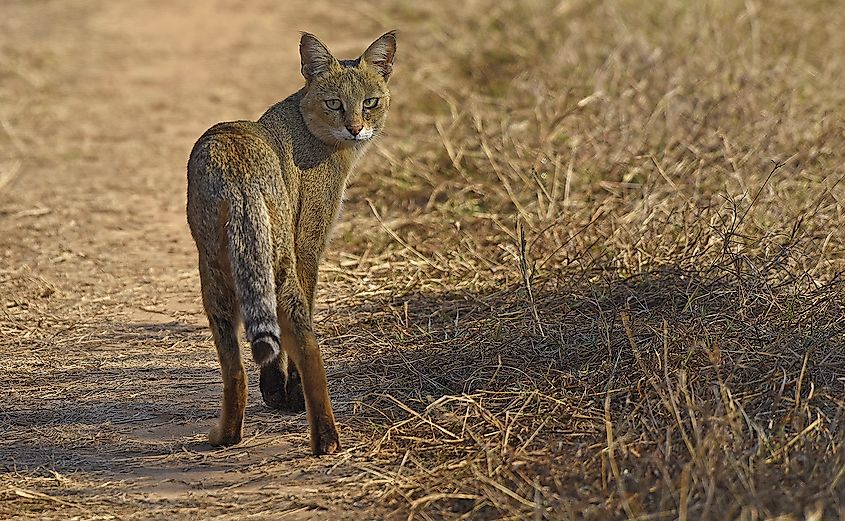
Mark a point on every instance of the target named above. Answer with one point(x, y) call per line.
point(262, 199)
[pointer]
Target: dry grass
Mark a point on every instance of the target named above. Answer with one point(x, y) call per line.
point(638, 309)
point(593, 272)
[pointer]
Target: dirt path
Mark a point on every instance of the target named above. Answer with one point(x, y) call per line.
point(664, 341)
point(114, 382)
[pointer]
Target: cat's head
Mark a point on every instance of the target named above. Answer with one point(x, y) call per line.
point(346, 101)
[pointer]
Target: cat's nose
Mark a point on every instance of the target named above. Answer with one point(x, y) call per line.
point(354, 129)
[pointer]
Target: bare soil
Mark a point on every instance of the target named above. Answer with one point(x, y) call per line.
point(593, 270)
point(110, 375)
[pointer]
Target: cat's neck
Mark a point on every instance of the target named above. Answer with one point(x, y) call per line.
point(285, 122)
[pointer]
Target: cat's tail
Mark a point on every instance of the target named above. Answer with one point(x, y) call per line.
point(250, 248)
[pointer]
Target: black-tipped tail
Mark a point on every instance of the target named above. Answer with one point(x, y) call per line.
point(265, 348)
point(250, 247)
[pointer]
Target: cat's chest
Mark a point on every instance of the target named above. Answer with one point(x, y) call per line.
point(325, 183)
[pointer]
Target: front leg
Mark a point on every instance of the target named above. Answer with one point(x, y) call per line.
point(307, 271)
point(273, 382)
point(312, 233)
point(280, 383)
point(300, 344)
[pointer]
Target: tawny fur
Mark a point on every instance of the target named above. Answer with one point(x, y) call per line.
point(262, 199)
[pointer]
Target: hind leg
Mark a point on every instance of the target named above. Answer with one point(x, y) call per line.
point(221, 309)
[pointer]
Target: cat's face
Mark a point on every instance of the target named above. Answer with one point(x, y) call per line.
point(346, 102)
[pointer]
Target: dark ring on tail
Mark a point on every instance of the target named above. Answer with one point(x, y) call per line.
point(265, 348)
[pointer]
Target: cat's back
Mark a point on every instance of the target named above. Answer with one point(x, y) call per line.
point(234, 150)
point(285, 126)
point(230, 161)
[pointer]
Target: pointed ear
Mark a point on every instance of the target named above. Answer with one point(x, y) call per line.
point(380, 54)
point(315, 56)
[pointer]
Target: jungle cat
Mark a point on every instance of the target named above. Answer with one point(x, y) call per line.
point(262, 198)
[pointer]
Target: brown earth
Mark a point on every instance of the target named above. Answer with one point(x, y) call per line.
point(110, 375)
point(593, 270)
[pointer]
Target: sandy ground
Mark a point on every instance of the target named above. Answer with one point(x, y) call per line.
point(113, 381)
point(679, 352)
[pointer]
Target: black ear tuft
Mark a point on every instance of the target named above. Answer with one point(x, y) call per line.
point(380, 54)
point(315, 56)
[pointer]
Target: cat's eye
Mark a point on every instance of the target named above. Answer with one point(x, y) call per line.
point(334, 104)
point(371, 103)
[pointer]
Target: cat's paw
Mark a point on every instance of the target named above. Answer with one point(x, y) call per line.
point(219, 437)
point(272, 385)
point(293, 389)
point(327, 440)
point(275, 399)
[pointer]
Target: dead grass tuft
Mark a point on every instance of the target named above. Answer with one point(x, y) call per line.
point(611, 284)
point(594, 271)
